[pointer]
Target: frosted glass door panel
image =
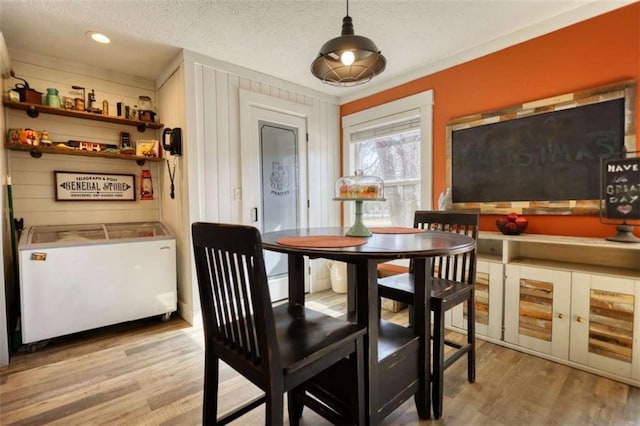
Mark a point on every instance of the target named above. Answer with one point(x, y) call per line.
point(279, 154)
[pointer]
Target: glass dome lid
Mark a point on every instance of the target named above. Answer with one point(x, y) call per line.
point(358, 187)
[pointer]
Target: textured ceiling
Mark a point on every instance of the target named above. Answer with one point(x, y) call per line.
point(281, 38)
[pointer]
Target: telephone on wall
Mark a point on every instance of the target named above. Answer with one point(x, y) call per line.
point(174, 146)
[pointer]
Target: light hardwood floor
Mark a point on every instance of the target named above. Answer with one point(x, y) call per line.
point(150, 373)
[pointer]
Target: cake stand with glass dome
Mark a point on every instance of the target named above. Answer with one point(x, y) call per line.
point(359, 188)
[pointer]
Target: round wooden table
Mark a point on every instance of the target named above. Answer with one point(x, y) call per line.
point(397, 359)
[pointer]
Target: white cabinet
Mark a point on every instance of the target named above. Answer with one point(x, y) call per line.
point(604, 324)
point(573, 300)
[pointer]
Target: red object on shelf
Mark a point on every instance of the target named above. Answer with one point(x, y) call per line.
point(512, 224)
point(146, 185)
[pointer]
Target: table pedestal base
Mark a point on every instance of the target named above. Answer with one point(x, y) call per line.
point(398, 377)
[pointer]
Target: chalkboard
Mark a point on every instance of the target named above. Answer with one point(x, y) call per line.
point(548, 156)
point(621, 188)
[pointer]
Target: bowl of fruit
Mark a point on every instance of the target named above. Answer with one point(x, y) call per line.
point(512, 224)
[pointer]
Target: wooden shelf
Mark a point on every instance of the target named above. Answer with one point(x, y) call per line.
point(582, 254)
point(34, 110)
point(37, 151)
point(613, 271)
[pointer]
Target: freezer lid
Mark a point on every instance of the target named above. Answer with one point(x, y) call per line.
point(117, 231)
point(72, 235)
point(66, 234)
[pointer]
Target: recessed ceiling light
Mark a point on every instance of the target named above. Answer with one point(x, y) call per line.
point(98, 37)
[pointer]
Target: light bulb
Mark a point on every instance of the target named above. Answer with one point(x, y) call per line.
point(347, 57)
point(98, 37)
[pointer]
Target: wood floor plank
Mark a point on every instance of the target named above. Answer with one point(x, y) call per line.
point(150, 373)
point(117, 411)
point(49, 412)
point(632, 407)
point(171, 411)
point(96, 372)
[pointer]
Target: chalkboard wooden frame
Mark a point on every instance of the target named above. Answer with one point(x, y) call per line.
point(554, 105)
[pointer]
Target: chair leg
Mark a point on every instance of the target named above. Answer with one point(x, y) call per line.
point(295, 405)
point(210, 398)
point(274, 414)
point(411, 315)
point(471, 339)
point(438, 362)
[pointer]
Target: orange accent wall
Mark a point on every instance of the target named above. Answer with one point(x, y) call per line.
point(592, 53)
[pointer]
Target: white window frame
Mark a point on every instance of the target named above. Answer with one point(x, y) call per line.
point(419, 104)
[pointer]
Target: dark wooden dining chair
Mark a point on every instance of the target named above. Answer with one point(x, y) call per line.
point(276, 348)
point(453, 283)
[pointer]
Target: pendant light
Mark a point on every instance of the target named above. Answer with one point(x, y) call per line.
point(348, 60)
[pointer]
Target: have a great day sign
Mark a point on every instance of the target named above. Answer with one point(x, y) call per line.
point(621, 189)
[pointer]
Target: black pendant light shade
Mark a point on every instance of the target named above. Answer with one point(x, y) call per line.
point(348, 60)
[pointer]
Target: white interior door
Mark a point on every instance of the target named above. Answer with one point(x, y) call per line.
point(274, 181)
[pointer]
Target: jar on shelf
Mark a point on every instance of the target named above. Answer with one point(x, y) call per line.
point(79, 104)
point(45, 139)
point(359, 186)
point(53, 99)
point(145, 103)
point(68, 102)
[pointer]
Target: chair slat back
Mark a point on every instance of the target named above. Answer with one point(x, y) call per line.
point(234, 295)
point(461, 267)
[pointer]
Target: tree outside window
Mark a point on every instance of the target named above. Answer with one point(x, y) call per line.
point(394, 157)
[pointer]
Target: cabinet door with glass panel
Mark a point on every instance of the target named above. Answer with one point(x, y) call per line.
point(537, 309)
point(604, 323)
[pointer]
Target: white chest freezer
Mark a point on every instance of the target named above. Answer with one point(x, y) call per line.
point(80, 277)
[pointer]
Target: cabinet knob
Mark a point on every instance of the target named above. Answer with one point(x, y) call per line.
point(579, 318)
point(560, 315)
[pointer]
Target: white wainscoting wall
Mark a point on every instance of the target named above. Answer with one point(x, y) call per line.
point(213, 148)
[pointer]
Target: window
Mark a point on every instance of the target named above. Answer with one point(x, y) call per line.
point(391, 152)
point(393, 142)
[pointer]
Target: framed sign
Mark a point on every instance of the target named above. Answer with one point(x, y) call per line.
point(81, 186)
point(621, 188)
point(148, 148)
